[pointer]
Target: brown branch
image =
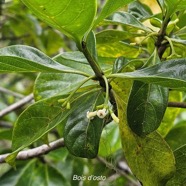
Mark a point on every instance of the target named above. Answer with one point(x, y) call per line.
point(177, 104)
point(16, 105)
point(120, 170)
point(36, 152)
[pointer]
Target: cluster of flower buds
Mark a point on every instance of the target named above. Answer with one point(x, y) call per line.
point(101, 114)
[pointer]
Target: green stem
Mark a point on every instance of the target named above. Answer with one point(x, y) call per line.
point(75, 90)
point(107, 91)
point(95, 67)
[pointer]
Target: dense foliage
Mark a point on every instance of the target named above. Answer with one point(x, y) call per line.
point(108, 73)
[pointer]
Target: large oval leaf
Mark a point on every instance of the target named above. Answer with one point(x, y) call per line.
point(150, 158)
point(146, 107)
point(82, 135)
point(72, 17)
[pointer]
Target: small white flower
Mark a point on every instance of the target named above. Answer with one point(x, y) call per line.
point(90, 115)
point(102, 113)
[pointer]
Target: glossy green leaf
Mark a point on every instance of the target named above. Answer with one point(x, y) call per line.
point(177, 136)
point(74, 18)
point(146, 107)
point(170, 113)
point(109, 7)
point(150, 158)
point(179, 177)
point(171, 74)
point(81, 134)
point(36, 121)
point(125, 19)
point(118, 49)
point(33, 173)
point(53, 84)
point(20, 58)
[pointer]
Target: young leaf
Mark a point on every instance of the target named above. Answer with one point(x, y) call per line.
point(82, 135)
point(171, 74)
point(149, 158)
point(74, 18)
point(146, 107)
point(180, 175)
point(109, 7)
point(20, 58)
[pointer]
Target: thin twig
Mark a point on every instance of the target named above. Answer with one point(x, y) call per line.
point(6, 91)
point(122, 172)
point(36, 152)
point(177, 104)
point(5, 124)
point(16, 105)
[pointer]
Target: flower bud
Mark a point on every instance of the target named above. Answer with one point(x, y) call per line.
point(114, 117)
point(90, 115)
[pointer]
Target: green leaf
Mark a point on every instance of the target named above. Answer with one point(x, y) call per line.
point(110, 7)
point(39, 118)
point(20, 58)
point(149, 158)
point(33, 173)
point(53, 84)
point(179, 177)
point(36, 121)
point(110, 140)
point(75, 60)
point(81, 134)
point(146, 107)
point(171, 74)
point(118, 49)
point(91, 45)
point(74, 21)
point(177, 136)
point(140, 10)
point(125, 19)
point(109, 36)
point(170, 114)
point(174, 6)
